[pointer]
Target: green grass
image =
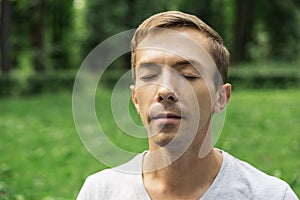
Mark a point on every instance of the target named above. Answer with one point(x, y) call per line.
point(43, 158)
point(262, 127)
point(41, 154)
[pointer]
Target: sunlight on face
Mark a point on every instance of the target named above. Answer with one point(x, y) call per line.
point(174, 80)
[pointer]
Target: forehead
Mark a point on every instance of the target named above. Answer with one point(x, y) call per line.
point(163, 45)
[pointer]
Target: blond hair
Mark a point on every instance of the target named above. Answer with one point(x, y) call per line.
point(171, 19)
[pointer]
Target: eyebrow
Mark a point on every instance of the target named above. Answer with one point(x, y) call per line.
point(182, 63)
point(148, 64)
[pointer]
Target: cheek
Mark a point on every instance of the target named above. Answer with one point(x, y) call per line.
point(145, 96)
point(204, 98)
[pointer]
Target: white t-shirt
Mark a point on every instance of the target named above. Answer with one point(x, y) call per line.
point(235, 180)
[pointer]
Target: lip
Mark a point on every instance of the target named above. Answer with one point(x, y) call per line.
point(166, 116)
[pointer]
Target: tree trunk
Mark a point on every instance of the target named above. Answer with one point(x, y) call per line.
point(37, 34)
point(129, 21)
point(5, 46)
point(242, 30)
point(61, 22)
point(129, 18)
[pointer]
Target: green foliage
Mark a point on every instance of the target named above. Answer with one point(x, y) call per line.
point(42, 29)
point(60, 16)
point(50, 81)
point(215, 13)
point(103, 19)
point(281, 22)
point(43, 158)
point(244, 76)
point(57, 35)
point(9, 85)
point(265, 75)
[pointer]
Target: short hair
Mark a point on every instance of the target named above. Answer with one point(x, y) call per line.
point(171, 19)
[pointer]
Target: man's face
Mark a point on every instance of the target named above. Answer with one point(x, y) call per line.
point(174, 89)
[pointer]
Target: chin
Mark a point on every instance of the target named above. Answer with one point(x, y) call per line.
point(175, 145)
point(162, 139)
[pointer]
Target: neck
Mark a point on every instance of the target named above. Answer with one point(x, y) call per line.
point(190, 174)
point(189, 177)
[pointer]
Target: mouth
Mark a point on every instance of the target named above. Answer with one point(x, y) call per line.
point(166, 116)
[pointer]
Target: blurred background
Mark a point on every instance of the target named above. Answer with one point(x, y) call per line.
point(44, 42)
point(42, 37)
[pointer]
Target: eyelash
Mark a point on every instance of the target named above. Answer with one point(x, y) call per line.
point(148, 77)
point(191, 78)
point(151, 77)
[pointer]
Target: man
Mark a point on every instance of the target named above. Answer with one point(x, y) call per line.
point(180, 71)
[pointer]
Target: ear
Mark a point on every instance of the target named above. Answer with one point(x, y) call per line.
point(134, 99)
point(223, 98)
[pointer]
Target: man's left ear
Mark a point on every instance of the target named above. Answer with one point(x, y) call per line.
point(223, 98)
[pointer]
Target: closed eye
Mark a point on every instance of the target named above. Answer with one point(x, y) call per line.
point(148, 77)
point(190, 77)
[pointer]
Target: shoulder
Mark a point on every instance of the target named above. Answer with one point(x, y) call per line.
point(96, 185)
point(251, 182)
point(110, 183)
point(249, 173)
point(104, 176)
point(124, 172)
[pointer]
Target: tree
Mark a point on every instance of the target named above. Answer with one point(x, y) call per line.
point(37, 35)
point(59, 18)
point(280, 20)
point(201, 9)
point(103, 20)
point(5, 33)
point(214, 12)
point(244, 21)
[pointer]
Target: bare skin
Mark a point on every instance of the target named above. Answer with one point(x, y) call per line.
point(189, 176)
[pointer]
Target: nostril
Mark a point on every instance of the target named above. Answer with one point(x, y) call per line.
point(171, 98)
point(160, 98)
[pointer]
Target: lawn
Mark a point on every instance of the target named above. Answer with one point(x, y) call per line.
point(43, 158)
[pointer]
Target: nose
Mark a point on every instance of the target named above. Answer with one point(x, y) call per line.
point(165, 92)
point(166, 96)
